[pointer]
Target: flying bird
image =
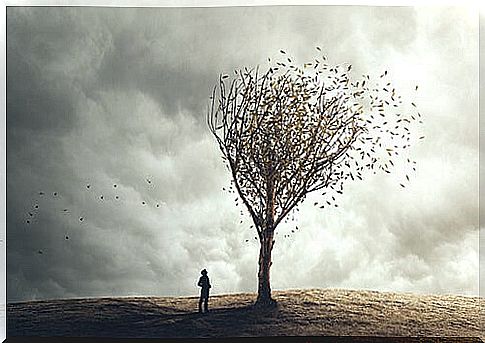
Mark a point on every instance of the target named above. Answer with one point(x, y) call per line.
point(149, 181)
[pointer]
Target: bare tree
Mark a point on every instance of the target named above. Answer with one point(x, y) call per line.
point(294, 130)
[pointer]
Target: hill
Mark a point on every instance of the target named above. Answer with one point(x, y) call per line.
point(311, 312)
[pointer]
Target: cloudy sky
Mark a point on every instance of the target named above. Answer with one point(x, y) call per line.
point(106, 96)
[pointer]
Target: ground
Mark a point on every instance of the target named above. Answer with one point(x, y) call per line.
point(310, 312)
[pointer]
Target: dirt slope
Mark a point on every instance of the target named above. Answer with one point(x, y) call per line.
point(300, 312)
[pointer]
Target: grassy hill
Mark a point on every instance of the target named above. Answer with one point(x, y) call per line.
point(312, 312)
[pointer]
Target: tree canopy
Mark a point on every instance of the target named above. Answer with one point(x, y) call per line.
point(305, 128)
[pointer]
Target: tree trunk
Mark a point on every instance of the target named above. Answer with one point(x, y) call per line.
point(267, 242)
point(264, 287)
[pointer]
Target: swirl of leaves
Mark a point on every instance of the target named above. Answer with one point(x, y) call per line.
point(291, 131)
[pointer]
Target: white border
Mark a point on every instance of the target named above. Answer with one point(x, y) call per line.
point(218, 3)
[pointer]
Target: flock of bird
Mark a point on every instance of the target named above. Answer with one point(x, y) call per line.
point(31, 214)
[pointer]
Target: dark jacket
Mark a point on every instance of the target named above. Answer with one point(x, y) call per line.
point(204, 283)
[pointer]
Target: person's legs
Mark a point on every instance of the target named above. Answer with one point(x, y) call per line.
point(206, 303)
point(200, 304)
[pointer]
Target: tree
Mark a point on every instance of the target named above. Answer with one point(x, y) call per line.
point(294, 130)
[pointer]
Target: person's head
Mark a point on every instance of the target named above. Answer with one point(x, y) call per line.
point(203, 272)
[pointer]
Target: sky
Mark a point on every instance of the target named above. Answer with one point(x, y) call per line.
point(118, 96)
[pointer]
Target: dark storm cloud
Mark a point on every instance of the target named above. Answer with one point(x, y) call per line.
point(106, 96)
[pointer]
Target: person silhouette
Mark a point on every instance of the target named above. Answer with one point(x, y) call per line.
point(204, 292)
